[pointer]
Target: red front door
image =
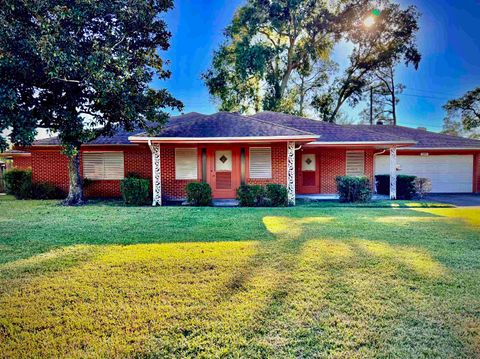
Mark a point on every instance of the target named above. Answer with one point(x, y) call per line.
point(308, 173)
point(223, 167)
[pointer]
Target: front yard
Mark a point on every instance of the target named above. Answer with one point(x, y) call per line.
point(110, 281)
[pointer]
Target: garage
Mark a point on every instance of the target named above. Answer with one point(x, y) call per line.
point(448, 173)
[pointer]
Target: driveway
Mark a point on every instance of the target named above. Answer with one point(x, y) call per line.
point(461, 200)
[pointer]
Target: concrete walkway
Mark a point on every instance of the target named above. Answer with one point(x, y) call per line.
point(459, 199)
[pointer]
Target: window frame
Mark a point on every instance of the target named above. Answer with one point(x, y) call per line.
point(363, 163)
point(103, 177)
point(195, 160)
point(269, 148)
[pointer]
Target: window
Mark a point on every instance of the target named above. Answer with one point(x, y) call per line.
point(103, 165)
point(186, 163)
point(260, 162)
point(355, 163)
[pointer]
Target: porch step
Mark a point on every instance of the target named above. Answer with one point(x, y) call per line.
point(225, 203)
point(333, 197)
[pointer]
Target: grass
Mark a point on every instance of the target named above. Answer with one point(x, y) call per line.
point(111, 281)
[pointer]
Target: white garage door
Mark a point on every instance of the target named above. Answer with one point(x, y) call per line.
point(449, 174)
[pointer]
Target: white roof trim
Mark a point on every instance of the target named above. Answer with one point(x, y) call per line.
point(363, 142)
point(213, 139)
point(440, 148)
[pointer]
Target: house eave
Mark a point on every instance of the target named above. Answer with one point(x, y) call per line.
point(249, 139)
point(361, 144)
point(441, 149)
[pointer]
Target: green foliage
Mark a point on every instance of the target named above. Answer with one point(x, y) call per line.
point(465, 111)
point(135, 191)
point(376, 270)
point(19, 183)
point(199, 194)
point(277, 195)
point(389, 41)
point(405, 186)
point(63, 61)
point(282, 46)
point(271, 195)
point(45, 190)
point(423, 186)
point(354, 189)
point(251, 195)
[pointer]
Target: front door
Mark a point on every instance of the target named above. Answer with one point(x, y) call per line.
point(308, 171)
point(224, 171)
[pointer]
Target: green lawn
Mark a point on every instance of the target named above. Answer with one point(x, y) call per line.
point(105, 280)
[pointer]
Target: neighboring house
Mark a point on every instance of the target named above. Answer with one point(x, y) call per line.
point(227, 149)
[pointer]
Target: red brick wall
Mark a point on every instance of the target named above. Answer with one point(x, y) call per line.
point(175, 189)
point(171, 187)
point(332, 163)
point(22, 162)
point(51, 166)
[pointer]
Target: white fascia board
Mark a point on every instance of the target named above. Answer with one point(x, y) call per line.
point(441, 148)
point(215, 139)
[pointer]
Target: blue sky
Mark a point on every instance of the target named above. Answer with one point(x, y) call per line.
point(449, 40)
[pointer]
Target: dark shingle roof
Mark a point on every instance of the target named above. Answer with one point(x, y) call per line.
point(225, 124)
point(330, 132)
point(120, 137)
point(424, 139)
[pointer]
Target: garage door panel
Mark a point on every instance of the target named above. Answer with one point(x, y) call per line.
point(448, 173)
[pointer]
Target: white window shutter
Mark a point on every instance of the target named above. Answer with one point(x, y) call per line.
point(186, 164)
point(260, 162)
point(355, 163)
point(103, 165)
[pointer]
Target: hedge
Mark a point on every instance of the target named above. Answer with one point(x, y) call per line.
point(405, 186)
point(135, 191)
point(354, 188)
point(199, 194)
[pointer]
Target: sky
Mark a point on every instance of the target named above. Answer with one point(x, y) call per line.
point(449, 40)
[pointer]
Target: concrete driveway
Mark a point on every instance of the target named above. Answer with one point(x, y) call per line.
point(461, 199)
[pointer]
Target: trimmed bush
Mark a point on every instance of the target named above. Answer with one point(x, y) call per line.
point(44, 190)
point(19, 183)
point(353, 188)
point(135, 191)
point(199, 194)
point(277, 195)
point(423, 186)
point(405, 186)
point(251, 195)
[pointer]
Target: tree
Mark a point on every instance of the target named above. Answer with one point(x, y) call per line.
point(463, 113)
point(270, 44)
point(81, 69)
point(380, 41)
point(383, 100)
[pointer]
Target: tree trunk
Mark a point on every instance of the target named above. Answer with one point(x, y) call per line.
point(394, 105)
point(75, 190)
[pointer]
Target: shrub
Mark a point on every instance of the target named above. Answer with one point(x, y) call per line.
point(135, 191)
point(405, 186)
point(199, 194)
point(423, 186)
point(43, 190)
point(19, 183)
point(251, 196)
point(277, 195)
point(354, 189)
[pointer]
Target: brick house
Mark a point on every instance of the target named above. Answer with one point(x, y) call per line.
point(228, 149)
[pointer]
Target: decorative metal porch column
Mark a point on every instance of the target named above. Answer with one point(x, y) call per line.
point(393, 172)
point(156, 174)
point(291, 173)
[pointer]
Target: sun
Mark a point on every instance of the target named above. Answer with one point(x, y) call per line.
point(369, 21)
